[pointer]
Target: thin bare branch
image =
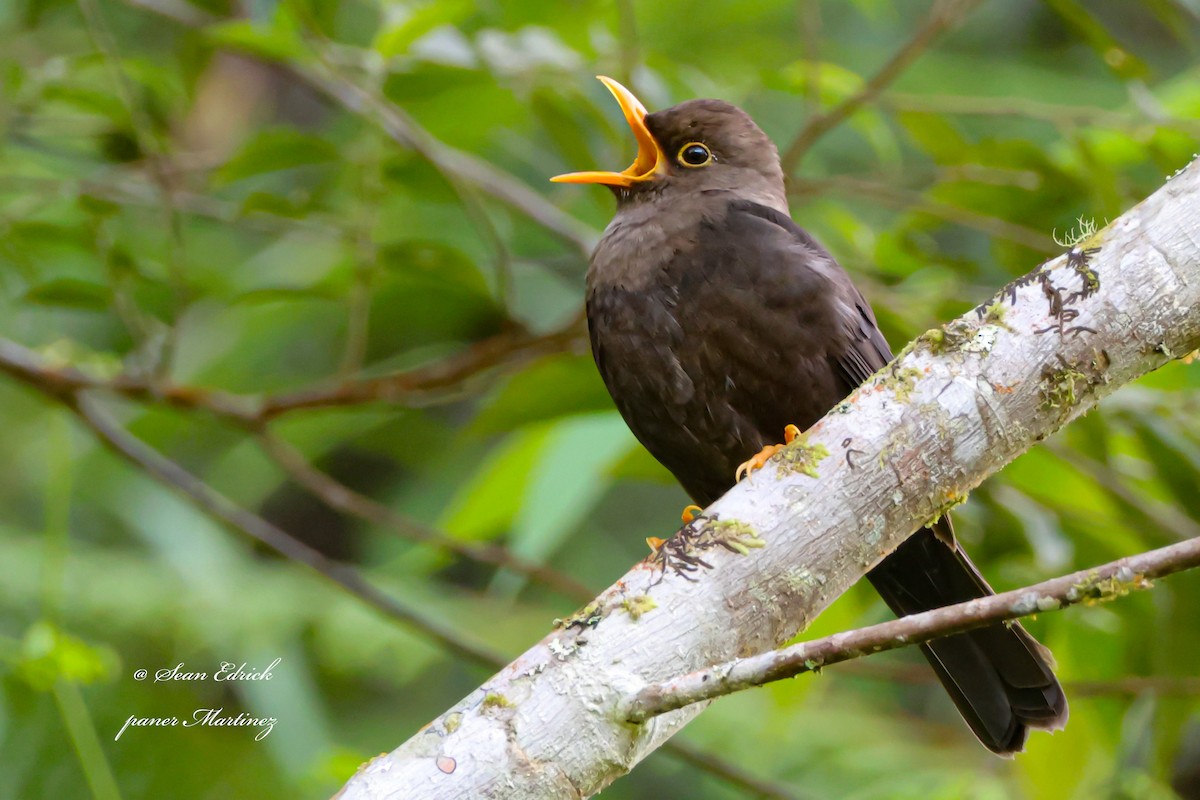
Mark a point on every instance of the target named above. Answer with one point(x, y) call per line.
point(342, 498)
point(423, 385)
point(453, 162)
point(1166, 518)
point(918, 674)
point(407, 131)
point(729, 772)
point(944, 15)
point(1105, 582)
point(1053, 113)
point(219, 507)
point(66, 384)
point(907, 199)
point(418, 386)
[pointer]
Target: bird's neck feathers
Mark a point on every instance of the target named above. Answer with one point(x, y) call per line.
point(648, 231)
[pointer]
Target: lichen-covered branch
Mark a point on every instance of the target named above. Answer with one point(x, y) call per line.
point(1105, 582)
point(763, 561)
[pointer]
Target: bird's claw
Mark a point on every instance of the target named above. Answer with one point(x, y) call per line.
point(759, 459)
point(690, 513)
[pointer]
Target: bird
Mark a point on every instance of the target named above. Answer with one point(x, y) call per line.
point(716, 322)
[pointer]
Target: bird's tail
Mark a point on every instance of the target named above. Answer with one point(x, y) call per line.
point(999, 677)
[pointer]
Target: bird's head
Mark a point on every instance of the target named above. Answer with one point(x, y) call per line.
point(696, 146)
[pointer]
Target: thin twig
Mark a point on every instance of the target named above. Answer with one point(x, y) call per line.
point(154, 151)
point(125, 191)
point(917, 674)
point(628, 44)
point(425, 384)
point(1053, 113)
point(909, 200)
point(366, 264)
point(944, 15)
point(729, 772)
point(809, 13)
point(1166, 518)
point(219, 507)
point(406, 131)
point(342, 498)
point(418, 386)
point(450, 161)
point(1105, 582)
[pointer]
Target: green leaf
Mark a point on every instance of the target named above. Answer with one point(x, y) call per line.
point(572, 474)
point(274, 150)
point(71, 293)
point(553, 387)
point(277, 43)
point(48, 655)
point(404, 24)
point(490, 499)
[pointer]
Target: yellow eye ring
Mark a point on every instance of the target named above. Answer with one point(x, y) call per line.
point(694, 154)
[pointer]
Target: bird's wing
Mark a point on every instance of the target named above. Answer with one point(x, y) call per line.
point(862, 349)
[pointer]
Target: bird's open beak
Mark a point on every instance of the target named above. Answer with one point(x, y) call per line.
point(650, 157)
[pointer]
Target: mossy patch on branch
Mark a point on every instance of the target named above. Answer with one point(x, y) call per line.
point(902, 380)
point(637, 605)
point(1063, 387)
point(1095, 589)
point(496, 700)
point(800, 456)
point(587, 617)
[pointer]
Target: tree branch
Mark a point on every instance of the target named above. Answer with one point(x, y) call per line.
point(957, 404)
point(1052, 113)
point(944, 15)
point(911, 200)
point(342, 498)
point(408, 132)
point(1105, 582)
point(219, 507)
point(426, 384)
point(418, 386)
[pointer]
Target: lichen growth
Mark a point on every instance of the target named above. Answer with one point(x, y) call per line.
point(587, 617)
point(934, 339)
point(1061, 387)
point(800, 456)
point(685, 552)
point(804, 580)
point(496, 700)
point(901, 381)
point(734, 535)
point(950, 501)
point(1094, 589)
point(561, 650)
point(638, 605)
point(1085, 229)
point(994, 314)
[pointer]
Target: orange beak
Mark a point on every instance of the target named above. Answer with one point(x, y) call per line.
point(650, 158)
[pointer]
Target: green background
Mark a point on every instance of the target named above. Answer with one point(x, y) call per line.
point(268, 197)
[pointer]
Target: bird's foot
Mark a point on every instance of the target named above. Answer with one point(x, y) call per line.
point(690, 513)
point(790, 433)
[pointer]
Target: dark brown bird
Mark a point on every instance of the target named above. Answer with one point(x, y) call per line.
point(716, 321)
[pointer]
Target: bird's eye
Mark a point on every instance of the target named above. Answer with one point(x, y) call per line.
point(694, 154)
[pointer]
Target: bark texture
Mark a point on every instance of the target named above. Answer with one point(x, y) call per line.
point(958, 404)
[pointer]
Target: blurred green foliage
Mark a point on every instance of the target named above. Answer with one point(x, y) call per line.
point(206, 195)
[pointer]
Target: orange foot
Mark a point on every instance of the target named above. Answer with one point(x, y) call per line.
point(760, 458)
point(690, 513)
